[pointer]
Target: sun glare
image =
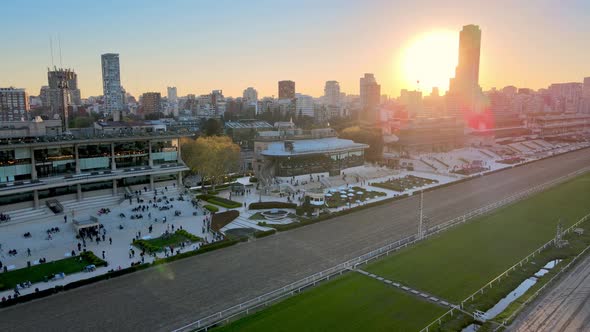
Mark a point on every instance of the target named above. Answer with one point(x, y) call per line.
point(429, 61)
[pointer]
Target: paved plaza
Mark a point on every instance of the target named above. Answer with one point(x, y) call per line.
point(121, 230)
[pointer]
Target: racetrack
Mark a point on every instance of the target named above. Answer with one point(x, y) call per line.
point(566, 307)
point(172, 295)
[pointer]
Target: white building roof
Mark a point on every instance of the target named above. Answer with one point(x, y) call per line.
point(312, 146)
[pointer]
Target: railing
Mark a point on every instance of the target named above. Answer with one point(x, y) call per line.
point(263, 300)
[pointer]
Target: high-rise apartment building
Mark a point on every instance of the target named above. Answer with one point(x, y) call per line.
point(370, 97)
point(332, 93)
point(150, 102)
point(14, 104)
point(62, 81)
point(286, 89)
point(172, 101)
point(250, 95)
point(111, 82)
point(465, 94)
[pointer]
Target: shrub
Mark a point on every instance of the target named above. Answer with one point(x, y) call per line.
point(261, 234)
point(211, 208)
point(272, 205)
point(189, 236)
point(253, 179)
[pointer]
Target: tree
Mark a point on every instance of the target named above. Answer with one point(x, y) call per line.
point(373, 138)
point(211, 127)
point(211, 157)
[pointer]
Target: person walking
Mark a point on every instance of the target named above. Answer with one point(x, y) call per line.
point(110, 240)
point(103, 257)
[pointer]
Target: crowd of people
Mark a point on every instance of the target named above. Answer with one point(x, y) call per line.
point(4, 217)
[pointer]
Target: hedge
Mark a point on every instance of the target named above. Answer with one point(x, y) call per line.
point(211, 208)
point(253, 179)
point(272, 205)
point(261, 234)
point(224, 202)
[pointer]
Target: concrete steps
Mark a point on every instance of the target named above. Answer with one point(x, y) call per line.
point(91, 203)
point(27, 214)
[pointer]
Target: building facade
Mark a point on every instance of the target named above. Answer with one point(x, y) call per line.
point(14, 104)
point(62, 81)
point(150, 102)
point(370, 97)
point(47, 166)
point(286, 89)
point(111, 82)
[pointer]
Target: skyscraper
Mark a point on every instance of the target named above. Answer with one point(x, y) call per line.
point(464, 91)
point(286, 89)
point(111, 82)
point(370, 97)
point(14, 104)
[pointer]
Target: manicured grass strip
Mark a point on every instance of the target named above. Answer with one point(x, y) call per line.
point(460, 261)
point(37, 273)
point(352, 302)
point(172, 239)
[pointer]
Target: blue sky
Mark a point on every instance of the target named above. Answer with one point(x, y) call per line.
point(203, 45)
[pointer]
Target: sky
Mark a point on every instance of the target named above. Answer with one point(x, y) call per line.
point(199, 45)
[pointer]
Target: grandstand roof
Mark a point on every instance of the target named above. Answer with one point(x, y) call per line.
point(312, 146)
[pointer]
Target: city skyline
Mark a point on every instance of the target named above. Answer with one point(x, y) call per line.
point(368, 40)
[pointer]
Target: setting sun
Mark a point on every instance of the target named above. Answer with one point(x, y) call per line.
point(429, 61)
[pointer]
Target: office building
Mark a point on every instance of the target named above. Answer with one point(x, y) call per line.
point(111, 83)
point(304, 105)
point(14, 104)
point(286, 89)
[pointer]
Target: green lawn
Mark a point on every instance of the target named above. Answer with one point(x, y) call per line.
point(405, 183)
point(37, 273)
point(460, 261)
point(172, 239)
point(352, 302)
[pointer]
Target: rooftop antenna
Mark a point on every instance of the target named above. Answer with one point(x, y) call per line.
point(51, 49)
point(59, 44)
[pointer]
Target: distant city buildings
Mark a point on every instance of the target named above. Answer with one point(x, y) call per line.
point(286, 89)
point(111, 83)
point(14, 104)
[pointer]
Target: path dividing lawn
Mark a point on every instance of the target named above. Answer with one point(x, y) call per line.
point(352, 302)
point(458, 262)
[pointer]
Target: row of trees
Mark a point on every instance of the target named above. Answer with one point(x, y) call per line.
point(211, 157)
